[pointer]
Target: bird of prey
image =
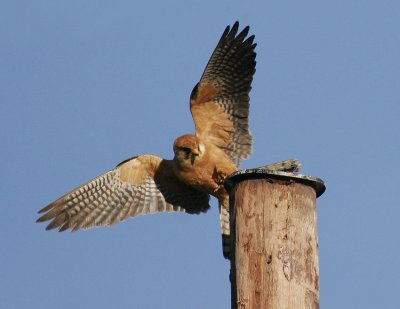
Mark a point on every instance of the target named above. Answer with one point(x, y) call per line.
point(146, 184)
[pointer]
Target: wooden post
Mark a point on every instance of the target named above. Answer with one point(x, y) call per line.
point(274, 259)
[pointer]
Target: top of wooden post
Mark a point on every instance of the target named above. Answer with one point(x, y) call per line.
point(317, 184)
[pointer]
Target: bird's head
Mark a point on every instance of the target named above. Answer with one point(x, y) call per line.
point(188, 148)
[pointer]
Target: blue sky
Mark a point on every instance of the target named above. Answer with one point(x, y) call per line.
point(87, 84)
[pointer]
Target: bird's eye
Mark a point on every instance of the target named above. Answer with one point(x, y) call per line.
point(187, 150)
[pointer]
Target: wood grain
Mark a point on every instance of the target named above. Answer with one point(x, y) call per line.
point(274, 231)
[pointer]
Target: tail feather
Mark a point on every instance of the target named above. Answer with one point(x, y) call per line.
point(225, 230)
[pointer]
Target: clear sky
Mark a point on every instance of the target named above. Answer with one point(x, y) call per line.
point(87, 84)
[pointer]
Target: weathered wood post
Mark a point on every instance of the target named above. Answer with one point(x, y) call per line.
point(274, 259)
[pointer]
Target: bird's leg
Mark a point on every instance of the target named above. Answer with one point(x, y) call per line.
point(219, 177)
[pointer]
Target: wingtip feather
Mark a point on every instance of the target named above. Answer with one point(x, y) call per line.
point(45, 209)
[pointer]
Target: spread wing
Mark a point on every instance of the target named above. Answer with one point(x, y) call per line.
point(141, 185)
point(220, 101)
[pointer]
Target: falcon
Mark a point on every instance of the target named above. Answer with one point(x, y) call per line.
point(147, 184)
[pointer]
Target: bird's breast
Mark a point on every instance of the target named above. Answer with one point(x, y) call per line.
point(206, 171)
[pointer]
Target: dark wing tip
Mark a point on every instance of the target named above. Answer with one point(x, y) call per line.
point(226, 31)
point(230, 33)
point(45, 209)
point(54, 224)
point(249, 41)
point(235, 27)
point(40, 220)
point(230, 39)
point(243, 33)
point(58, 221)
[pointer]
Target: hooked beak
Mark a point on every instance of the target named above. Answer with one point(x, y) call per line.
point(195, 154)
